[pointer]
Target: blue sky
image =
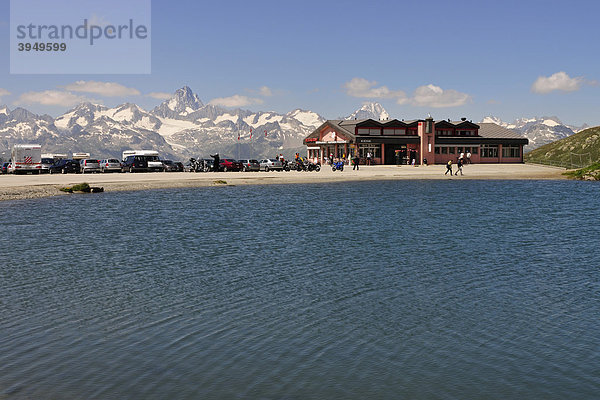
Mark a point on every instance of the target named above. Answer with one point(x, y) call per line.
point(510, 59)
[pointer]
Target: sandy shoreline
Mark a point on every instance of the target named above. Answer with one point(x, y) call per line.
point(13, 187)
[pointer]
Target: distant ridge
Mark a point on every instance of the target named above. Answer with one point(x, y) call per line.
point(576, 151)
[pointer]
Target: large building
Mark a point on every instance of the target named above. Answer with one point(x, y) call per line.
point(426, 141)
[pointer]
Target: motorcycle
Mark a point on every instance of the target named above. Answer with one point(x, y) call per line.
point(286, 165)
point(311, 166)
point(198, 165)
point(337, 166)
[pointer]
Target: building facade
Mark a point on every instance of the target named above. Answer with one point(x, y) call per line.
point(425, 141)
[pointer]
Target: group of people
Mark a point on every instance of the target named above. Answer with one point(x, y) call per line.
point(459, 163)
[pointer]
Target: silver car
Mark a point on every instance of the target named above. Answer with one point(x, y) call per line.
point(250, 165)
point(270, 165)
point(46, 164)
point(89, 165)
point(110, 165)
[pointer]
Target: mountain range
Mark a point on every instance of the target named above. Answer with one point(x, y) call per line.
point(183, 126)
point(539, 131)
point(180, 127)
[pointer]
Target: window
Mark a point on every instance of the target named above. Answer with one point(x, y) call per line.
point(436, 150)
point(451, 150)
point(369, 131)
point(394, 131)
point(444, 150)
point(489, 151)
point(443, 132)
point(511, 151)
point(374, 149)
point(474, 150)
point(459, 150)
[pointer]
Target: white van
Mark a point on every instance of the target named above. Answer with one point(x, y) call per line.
point(26, 158)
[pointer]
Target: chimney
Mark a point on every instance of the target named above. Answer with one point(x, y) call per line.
point(463, 119)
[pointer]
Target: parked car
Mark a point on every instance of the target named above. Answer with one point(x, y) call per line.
point(169, 166)
point(136, 163)
point(110, 165)
point(4, 169)
point(229, 164)
point(270, 164)
point(89, 165)
point(64, 166)
point(250, 165)
point(179, 166)
point(46, 164)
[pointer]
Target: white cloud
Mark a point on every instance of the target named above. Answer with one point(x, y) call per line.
point(108, 89)
point(160, 95)
point(265, 91)
point(434, 96)
point(51, 98)
point(558, 81)
point(235, 101)
point(4, 92)
point(360, 87)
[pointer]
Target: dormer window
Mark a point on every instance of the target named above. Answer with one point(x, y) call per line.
point(369, 131)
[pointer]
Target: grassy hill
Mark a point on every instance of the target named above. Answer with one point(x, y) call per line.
point(576, 151)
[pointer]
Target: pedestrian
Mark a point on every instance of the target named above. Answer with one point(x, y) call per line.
point(468, 157)
point(449, 167)
point(368, 158)
point(462, 156)
point(356, 161)
point(459, 165)
point(216, 162)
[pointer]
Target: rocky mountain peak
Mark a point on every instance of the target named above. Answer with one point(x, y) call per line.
point(183, 102)
point(371, 110)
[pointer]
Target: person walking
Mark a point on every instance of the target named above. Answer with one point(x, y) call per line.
point(459, 165)
point(356, 161)
point(369, 158)
point(217, 161)
point(449, 167)
point(468, 157)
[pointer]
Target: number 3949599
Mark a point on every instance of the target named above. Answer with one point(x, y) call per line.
point(42, 46)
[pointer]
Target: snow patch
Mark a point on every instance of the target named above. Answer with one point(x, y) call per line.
point(227, 117)
point(549, 122)
point(171, 126)
point(307, 118)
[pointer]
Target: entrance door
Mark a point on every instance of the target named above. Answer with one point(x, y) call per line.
point(390, 153)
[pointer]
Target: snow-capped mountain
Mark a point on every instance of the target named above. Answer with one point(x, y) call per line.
point(370, 110)
point(87, 128)
point(180, 127)
point(183, 103)
point(539, 131)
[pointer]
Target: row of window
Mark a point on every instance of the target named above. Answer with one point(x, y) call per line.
point(450, 132)
point(454, 150)
point(487, 150)
point(402, 131)
point(386, 131)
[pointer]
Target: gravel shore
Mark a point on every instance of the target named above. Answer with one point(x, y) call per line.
point(14, 187)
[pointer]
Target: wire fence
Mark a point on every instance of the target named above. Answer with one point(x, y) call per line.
point(575, 161)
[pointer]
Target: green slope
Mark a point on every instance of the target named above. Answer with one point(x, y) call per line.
point(576, 151)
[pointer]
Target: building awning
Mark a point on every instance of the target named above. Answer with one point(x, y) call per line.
point(313, 148)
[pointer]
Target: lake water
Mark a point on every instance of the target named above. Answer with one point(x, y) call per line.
point(404, 289)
